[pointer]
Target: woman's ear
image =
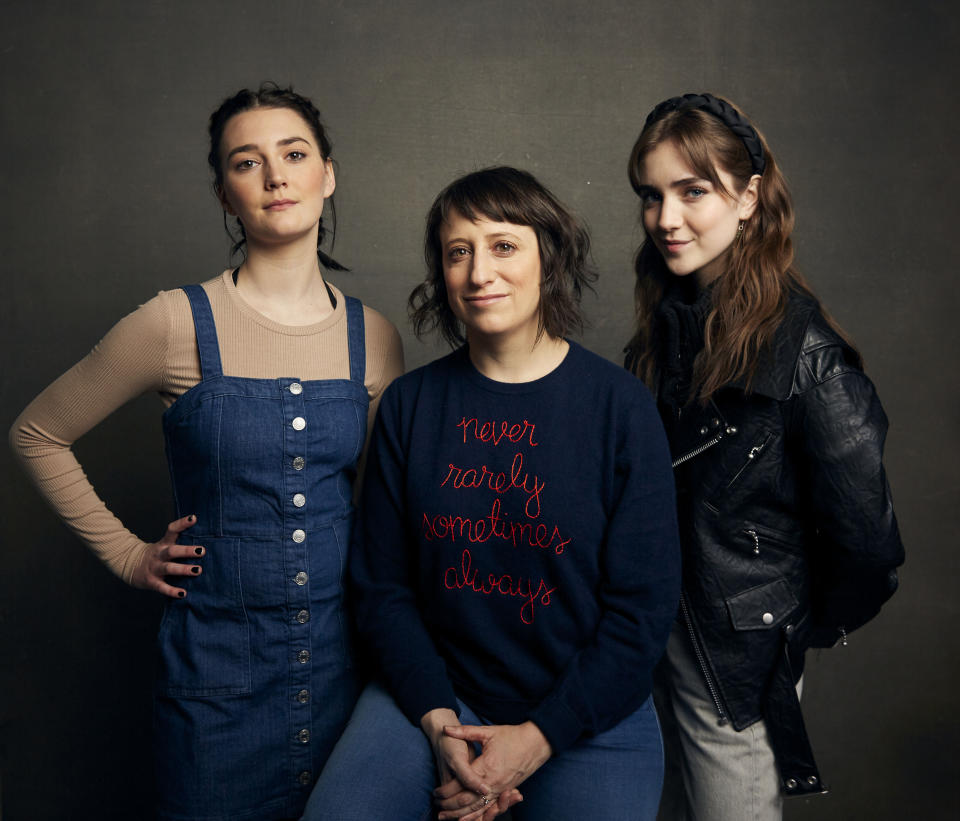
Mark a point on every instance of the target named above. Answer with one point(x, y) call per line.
point(224, 202)
point(749, 198)
point(330, 179)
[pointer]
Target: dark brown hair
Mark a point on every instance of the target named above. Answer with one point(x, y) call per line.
point(268, 95)
point(749, 299)
point(505, 194)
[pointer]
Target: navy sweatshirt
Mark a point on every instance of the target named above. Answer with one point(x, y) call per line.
point(517, 544)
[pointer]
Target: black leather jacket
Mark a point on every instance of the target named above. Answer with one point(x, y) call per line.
point(787, 526)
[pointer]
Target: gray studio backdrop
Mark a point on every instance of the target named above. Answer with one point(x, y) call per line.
point(106, 200)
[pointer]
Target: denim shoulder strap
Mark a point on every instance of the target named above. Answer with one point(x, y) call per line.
point(207, 345)
point(356, 340)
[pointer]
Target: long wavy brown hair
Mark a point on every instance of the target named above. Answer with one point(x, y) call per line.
point(749, 299)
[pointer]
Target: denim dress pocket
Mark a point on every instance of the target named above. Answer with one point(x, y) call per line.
point(204, 638)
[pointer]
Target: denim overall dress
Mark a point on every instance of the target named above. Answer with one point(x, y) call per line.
point(255, 677)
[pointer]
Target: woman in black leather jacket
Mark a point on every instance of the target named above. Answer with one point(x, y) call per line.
point(788, 533)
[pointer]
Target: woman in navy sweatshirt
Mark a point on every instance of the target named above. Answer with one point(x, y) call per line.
point(516, 564)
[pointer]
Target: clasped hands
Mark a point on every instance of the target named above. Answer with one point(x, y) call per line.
point(481, 787)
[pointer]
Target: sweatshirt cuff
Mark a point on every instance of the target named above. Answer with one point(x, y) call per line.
point(561, 726)
point(419, 695)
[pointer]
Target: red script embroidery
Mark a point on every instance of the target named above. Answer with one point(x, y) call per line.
point(465, 576)
point(493, 525)
point(499, 483)
point(487, 432)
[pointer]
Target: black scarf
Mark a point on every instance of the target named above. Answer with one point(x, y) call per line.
point(680, 319)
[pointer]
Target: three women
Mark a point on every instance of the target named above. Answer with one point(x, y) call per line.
point(515, 568)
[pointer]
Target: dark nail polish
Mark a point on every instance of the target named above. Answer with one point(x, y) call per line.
point(194, 570)
point(181, 594)
point(192, 518)
point(198, 551)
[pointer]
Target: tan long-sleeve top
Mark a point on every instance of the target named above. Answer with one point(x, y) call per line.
point(155, 349)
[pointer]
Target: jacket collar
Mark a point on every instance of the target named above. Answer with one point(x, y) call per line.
point(775, 372)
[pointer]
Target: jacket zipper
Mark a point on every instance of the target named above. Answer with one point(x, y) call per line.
point(726, 430)
point(753, 454)
point(697, 651)
point(697, 451)
point(756, 531)
point(711, 685)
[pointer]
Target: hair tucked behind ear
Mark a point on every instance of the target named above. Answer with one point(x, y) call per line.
point(749, 299)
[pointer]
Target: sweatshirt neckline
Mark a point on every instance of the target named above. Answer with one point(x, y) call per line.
point(558, 374)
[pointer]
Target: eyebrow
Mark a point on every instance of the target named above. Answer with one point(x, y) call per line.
point(676, 183)
point(254, 147)
point(495, 235)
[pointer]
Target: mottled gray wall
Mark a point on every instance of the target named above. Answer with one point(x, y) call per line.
point(106, 200)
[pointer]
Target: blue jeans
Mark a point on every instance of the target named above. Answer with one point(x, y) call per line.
point(383, 768)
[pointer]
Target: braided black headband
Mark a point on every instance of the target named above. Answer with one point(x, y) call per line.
point(724, 112)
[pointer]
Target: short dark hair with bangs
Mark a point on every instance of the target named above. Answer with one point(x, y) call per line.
point(505, 194)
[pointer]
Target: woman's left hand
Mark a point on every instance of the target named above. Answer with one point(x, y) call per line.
point(510, 753)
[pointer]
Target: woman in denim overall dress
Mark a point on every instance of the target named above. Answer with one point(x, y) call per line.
point(255, 678)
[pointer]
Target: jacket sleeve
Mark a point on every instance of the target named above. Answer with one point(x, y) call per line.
point(383, 576)
point(841, 429)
